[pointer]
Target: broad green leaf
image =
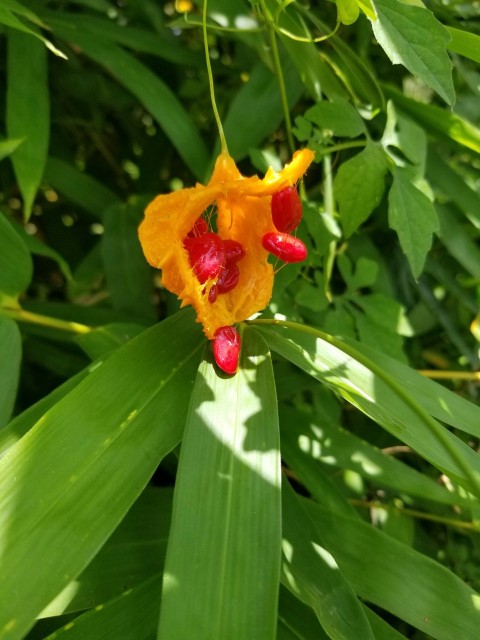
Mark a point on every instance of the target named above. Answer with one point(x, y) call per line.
point(102, 440)
point(312, 574)
point(101, 341)
point(338, 116)
point(150, 90)
point(10, 358)
point(134, 553)
point(458, 241)
point(261, 96)
point(377, 335)
point(223, 556)
point(381, 629)
point(363, 382)
point(380, 570)
point(28, 112)
point(131, 616)
point(129, 276)
point(296, 620)
point(8, 146)
point(359, 186)
point(465, 43)
point(449, 125)
point(15, 264)
point(413, 217)
point(326, 443)
point(412, 36)
point(79, 187)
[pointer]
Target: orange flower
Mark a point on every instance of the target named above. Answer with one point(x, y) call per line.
point(243, 214)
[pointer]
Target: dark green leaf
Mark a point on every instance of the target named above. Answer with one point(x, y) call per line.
point(337, 116)
point(15, 264)
point(10, 357)
point(28, 111)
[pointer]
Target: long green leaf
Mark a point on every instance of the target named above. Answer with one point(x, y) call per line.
point(296, 621)
point(399, 579)
point(10, 357)
point(380, 396)
point(65, 487)
point(465, 43)
point(152, 92)
point(28, 111)
point(223, 557)
point(15, 264)
point(456, 239)
point(312, 574)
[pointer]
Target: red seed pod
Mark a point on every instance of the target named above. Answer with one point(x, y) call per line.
point(206, 255)
point(286, 209)
point(228, 278)
point(234, 251)
point(226, 349)
point(200, 228)
point(285, 247)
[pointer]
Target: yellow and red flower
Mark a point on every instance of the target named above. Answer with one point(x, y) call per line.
point(243, 214)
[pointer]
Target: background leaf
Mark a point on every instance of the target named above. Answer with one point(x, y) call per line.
point(10, 359)
point(15, 264)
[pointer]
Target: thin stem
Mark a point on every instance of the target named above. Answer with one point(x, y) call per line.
point(21, 315)
point(474, 376)
point(279, 73)
point(461, 524)
point(221, 133)
point(436, 429)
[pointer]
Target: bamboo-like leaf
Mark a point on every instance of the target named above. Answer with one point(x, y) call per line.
point(152, 92)
point(10, 357)
point(312, 574)
point(65, 487)
point(380, 569)
point(79, 187)
point(458, 241)
point(223, 558)
point(132, 616)
point(296, 620)
point(364, 383)
point(28, 111)
point(465, 43)
point(15, 264)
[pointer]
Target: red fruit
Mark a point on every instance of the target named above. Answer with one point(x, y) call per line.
point(234, 251)
point(206, 255)
point(285, 247)
point(200, 228)
point(226, 348)
point(286, 209)
point(228, 278)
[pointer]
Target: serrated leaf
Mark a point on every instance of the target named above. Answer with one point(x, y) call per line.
point(359, 186)
point(412, 36)
point(28, 111)
point(413, 217)
point(338, 116)
point(223, 559)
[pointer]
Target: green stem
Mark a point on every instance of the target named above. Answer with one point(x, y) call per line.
point(436, 429)
point(221, 133)
point(279, 73)
point(21, 315)
point(461, 524)
point(341, 147)
point(329, 204)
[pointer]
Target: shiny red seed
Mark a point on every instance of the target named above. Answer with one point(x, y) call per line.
point(226, 348)
point(206, 255)
point(286, 209)
point(228, 278)
point(213, 293)
point(285, 247)
point(200, 228)
point(234, 251)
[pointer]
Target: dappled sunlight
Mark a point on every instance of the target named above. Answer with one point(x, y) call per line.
point(326, 556)
point(61, 602)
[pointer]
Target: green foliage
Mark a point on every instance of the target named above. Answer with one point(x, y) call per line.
point(330, 488)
